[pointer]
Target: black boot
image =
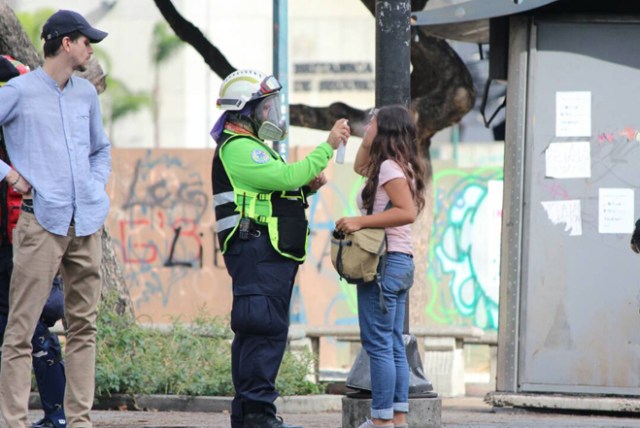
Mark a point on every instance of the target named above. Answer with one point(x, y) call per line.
point(263, 420)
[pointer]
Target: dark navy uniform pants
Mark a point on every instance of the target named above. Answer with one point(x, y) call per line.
point(262, 285)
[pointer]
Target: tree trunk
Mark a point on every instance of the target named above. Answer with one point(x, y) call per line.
point(15, 42)
point(113, 278)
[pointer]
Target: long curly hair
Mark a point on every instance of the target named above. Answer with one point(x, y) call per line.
point(395, 140)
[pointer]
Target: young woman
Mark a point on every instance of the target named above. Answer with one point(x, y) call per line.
point(389, 159)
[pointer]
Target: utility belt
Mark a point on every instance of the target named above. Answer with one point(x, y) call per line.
point(250, 229)
point(285, 225)
point(288, 235)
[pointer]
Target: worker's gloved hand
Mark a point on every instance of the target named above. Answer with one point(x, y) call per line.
point(635, 238)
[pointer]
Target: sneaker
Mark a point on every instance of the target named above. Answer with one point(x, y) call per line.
point(43, 423)
point(262, 420)
point(47, 422)
point(369, 424)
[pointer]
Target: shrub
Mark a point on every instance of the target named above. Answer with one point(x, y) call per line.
point(192, 359)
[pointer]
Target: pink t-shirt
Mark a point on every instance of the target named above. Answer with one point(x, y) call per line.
point(399, 237)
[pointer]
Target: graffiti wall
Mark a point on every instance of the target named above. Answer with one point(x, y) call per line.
point(463, 264)
point(163, 228)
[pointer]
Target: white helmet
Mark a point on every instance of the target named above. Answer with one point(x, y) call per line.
point(243, 86)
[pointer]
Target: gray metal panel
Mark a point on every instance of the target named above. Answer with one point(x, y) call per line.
point(512, 206)
point(579, 303)
point(474, 10)
point(468, 21)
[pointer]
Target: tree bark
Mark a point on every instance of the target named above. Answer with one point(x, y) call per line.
point(14, 42)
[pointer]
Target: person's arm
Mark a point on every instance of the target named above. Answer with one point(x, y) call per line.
point(362, 159)
point(251, 163)
point(100, 152)
point(403, 211)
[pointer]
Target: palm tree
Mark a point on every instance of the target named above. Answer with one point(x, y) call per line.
point(120, 101)
point(164, 45)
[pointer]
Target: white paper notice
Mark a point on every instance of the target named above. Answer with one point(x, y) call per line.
point(568, 160)
point(567, 212)
point(573, 114)
point(615, 209)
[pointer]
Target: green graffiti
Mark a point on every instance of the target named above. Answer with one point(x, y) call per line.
point(462, 281)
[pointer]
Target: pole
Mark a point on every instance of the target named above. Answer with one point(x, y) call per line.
point(393, 52)
point(393, 86)
point(393, 63)
point(280, 65)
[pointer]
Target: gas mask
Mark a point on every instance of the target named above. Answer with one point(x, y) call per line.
point(269, 118)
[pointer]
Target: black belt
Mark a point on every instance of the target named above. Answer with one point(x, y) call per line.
point(27, 205)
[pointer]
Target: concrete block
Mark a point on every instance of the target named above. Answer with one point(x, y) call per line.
point(423, 412)
point(444, 365)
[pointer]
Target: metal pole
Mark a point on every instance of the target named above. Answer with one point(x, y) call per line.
point(393, 86)
point(281, 64)
point(393, 52)
point(393, 63)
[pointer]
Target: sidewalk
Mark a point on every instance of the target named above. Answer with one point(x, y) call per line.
point(456, 413)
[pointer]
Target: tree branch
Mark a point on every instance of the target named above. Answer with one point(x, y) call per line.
point(442, 90)
point(324, 117)
point(192, 35)
point(441, 87)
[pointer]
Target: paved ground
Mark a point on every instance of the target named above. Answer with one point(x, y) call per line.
point(456, 413)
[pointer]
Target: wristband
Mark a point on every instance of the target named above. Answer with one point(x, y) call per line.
point(16, 181)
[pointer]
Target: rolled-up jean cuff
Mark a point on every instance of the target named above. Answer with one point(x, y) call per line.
point(382, 413)
point(401, 407)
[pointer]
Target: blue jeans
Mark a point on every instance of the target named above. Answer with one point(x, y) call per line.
point(381, 336)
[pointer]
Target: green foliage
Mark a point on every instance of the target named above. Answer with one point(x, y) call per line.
point(164, 43)
point(32, 23)
point(293, 372)
point(121, 101)
point(192, 359)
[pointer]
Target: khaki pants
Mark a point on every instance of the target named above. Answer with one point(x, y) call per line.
point(37, 256)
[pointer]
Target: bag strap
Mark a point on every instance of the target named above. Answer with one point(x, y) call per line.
point(339, 259)
point(382, 253)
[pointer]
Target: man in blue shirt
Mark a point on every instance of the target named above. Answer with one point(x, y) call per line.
point(61, 163)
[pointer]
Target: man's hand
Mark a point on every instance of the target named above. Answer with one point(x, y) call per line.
point(635, 238)
point(340, 133)
point(317, 183)
point(17, 181)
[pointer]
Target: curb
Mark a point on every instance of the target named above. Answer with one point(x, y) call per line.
point(297, 404)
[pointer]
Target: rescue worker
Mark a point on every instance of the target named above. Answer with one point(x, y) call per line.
point(262, 230)
point(47, 353)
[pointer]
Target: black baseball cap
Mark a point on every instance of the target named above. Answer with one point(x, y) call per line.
point(66, 21)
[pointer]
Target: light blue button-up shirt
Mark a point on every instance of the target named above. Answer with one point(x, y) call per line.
point(56, 141)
